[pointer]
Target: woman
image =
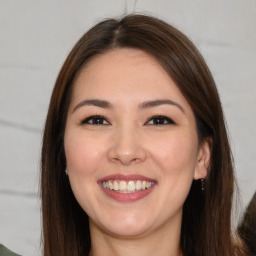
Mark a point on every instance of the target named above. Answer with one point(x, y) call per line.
point(135, 157)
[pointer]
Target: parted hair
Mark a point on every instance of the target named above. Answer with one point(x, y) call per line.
point(206, 222)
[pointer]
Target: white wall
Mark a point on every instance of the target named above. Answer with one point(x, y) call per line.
point(36, 36)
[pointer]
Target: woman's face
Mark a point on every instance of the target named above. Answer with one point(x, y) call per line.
point(131, 145)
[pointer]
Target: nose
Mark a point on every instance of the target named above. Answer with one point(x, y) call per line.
point(127, 147)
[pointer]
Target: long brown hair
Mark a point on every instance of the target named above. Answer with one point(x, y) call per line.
point(206, 224)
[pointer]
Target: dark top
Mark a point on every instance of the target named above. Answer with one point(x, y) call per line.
point(6, 252)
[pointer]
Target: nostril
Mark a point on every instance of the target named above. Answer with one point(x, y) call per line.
point(127, 157)
point(127, 147)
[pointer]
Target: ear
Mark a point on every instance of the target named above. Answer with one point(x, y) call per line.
point(203, 159)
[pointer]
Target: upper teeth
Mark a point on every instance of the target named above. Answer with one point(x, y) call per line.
point(127, 186)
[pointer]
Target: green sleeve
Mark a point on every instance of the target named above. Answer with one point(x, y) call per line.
point(6, 252)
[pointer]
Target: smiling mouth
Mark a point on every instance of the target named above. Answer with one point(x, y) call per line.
point(123, 186)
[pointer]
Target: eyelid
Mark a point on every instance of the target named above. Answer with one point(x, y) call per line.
point(169, 120)
point(90, 118)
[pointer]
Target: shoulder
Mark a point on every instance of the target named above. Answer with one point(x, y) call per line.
point(6, 252)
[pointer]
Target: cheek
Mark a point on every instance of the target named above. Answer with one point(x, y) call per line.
point(83, 157)
point(176, 154)
point(82, 154)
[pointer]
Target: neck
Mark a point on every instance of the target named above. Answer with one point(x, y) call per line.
point(161, 242)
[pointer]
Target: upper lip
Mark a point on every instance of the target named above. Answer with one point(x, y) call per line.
point(126, 177)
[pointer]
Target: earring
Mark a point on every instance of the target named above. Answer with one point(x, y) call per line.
point(66, 172)
point(202, 184)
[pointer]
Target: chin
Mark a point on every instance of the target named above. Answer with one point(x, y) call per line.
point(128, 231)
point(125, 226)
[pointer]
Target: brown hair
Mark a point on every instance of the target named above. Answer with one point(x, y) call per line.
point(247, 227)
point(206, 224)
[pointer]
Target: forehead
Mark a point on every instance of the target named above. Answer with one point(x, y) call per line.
point(126, 74)
point(124, 65)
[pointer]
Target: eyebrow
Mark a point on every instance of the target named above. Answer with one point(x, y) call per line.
point(156, 103)
point(93, 102)
point(146, 104)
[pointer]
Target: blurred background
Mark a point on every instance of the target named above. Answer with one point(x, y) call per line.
point(35, 38)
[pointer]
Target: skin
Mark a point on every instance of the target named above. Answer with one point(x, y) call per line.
point(128, 141)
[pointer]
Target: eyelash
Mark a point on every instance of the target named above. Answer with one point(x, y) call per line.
point(101, 120)
point(95, 120)
point(161, 120)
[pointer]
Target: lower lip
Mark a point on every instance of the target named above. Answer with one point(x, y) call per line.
point(127, 197)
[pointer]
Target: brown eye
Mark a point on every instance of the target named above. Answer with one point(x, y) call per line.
point(160, 120)
point(95, 120)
